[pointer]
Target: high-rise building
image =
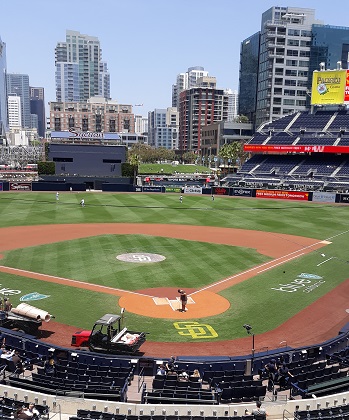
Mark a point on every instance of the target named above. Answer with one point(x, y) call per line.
point(3, 90)
point(329, 45)
point(163, 125)
point(80, 71)
point(186, 80)
point(14, 111)
point(37, 108)
point(248, 76)
point(282, 68)
point(18, 85)
point(141, 124)
point(233, 102)
point(199, 106)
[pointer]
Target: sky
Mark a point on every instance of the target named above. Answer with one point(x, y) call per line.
point(145, 43)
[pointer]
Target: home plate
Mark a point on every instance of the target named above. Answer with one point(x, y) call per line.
point(161, 301)
point(174, 303)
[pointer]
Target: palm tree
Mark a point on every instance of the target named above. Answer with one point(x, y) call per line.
point(134, 161)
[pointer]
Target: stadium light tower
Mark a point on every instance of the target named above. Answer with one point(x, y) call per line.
point(248, 328)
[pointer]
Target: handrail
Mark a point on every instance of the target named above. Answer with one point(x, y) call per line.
point(140, 379)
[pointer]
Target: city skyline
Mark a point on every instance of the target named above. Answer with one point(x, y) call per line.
point(145, 43)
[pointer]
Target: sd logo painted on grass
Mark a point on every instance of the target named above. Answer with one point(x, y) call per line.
point(33, 296)
point(195, 330)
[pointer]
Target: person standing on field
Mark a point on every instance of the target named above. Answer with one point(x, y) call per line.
point(184, 299)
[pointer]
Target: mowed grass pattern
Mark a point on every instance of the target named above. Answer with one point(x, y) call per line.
point(187, 264)
point(253, 301)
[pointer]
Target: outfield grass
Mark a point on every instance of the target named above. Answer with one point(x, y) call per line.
point(167, 168)
point(93, 259)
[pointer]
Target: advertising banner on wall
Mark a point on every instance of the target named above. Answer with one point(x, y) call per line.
point(220, 191)
point(330, 87)
point(84, 135)
point(324, 197)
point(241, 192)
point(283, 195)
point(173, 189)
point(298, 149)
point(344, 198)
point(1, 187)
point(192, 189)
point(20, 186)
point(152, 189)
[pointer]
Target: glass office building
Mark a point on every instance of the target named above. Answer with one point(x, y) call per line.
point(3, 88)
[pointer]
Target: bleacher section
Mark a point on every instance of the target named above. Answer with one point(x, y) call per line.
point(302, 150)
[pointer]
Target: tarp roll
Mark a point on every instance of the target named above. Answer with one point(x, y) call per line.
point(31, 312)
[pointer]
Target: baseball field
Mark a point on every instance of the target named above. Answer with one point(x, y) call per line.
point(281, 267)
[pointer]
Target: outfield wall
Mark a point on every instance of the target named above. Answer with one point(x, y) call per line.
point(85, 184)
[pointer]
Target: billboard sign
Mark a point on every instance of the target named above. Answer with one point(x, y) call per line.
point(20, 186)
point(283, 195)
point(330, 87)
point(241, 192)
point(152, 189)
point(192, 189)
point(220, 191)
point(344, 198)
point(73, 134)
point(298, 149)
point(324, 197)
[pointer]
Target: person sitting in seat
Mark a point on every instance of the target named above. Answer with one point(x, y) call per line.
point(195, 376)
point(161, 370)
point(258, 413)
point(50, 367)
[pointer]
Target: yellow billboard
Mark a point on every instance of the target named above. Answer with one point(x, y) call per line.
point(329, 87)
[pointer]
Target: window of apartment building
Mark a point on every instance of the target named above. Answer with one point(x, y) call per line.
point(304, 33)
point(277, 101)
point(289, 92)
point(303, 63)
point(279, 60)
point(71, 121)
point(289, 101)
point(302, 73)
point(112, 126)
point(290, 82)
point(301, 93)
point(84, 124)
point(291, 72)
point(301, 83)
point(57, 124)
point(279, 71)
point(276, 110)
point(277, 91)
point(292, 63)
point(305, 43)
point(292, 53)
point(288, 111)
point(300, 102)
point(293, 32)
point(303, 53)
point(293, 42)
point(278, 81)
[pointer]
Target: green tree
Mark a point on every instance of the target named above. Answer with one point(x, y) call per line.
point(134, 161)
point(189, 157)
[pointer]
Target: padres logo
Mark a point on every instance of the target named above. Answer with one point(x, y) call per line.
point(195, 330)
